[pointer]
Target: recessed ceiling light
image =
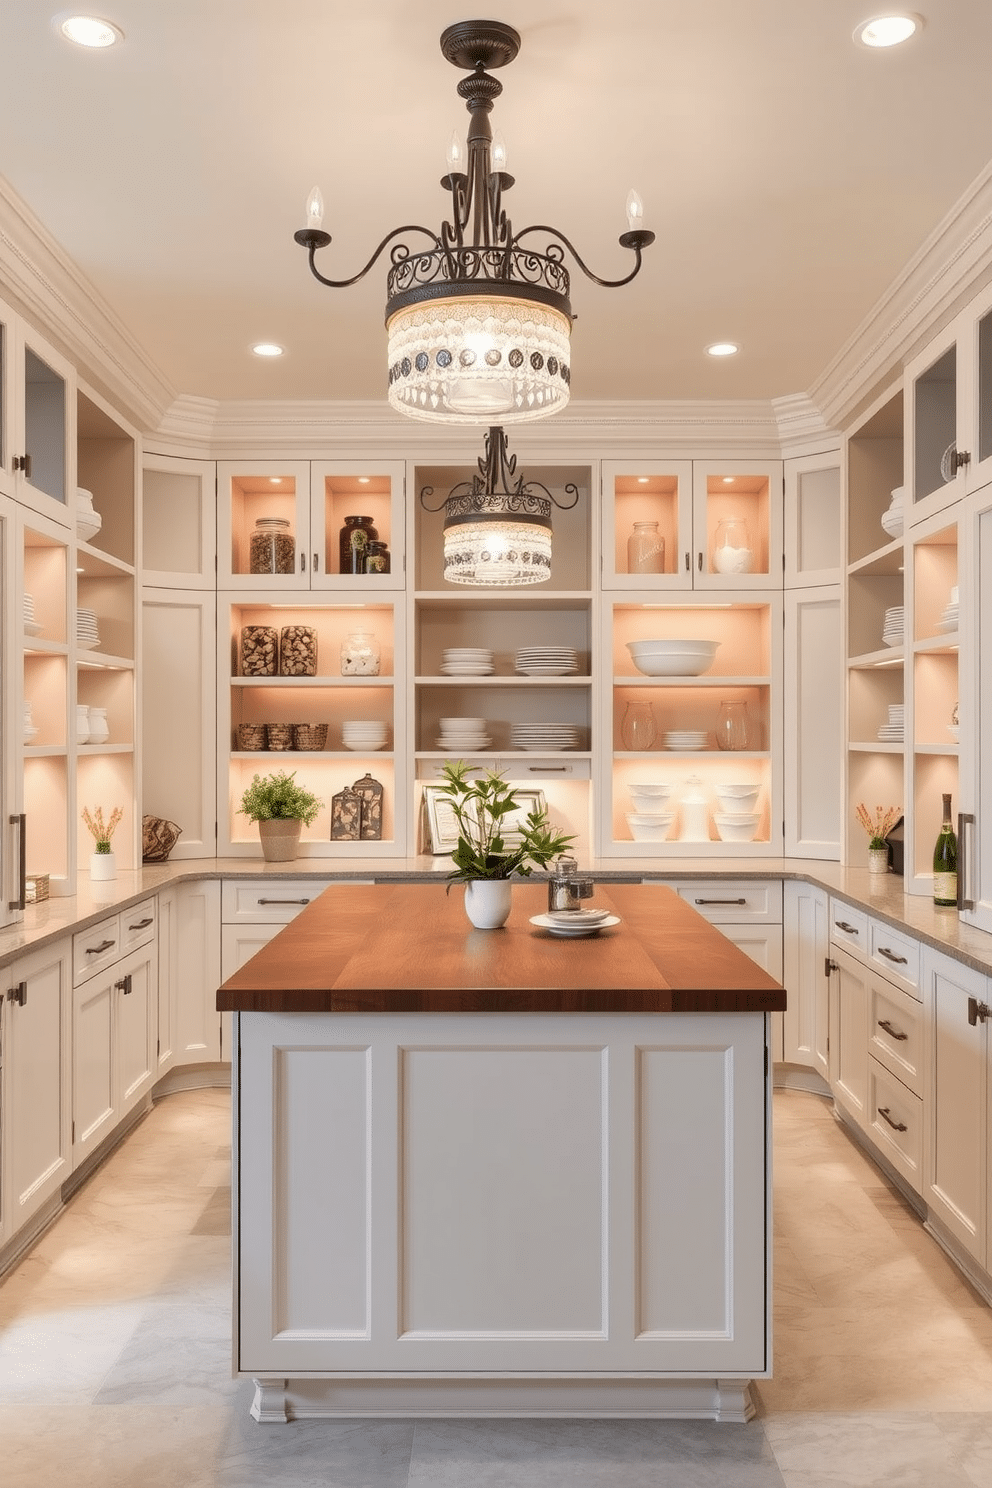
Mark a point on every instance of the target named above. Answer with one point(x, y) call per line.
point(888, 30)
point(267, 349)
point(87, 31)
point(642, 480)
point(723, 348)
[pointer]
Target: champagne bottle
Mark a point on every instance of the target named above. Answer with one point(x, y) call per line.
point(945, 862)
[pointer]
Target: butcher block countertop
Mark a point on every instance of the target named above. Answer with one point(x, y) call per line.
point(410, 948)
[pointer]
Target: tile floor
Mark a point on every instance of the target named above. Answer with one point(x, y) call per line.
point(114, 1350)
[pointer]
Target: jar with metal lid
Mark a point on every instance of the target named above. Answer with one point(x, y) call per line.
point(272, 547)
point(355, 536)
point(566, 888)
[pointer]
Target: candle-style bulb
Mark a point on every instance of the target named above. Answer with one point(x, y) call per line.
point(456, 156)
point(498, 153)
point(315, 208)
point(635, 211)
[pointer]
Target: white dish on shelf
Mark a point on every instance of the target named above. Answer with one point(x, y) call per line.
point(651, 826)
point(735, 802)
point(30, 733)
point(88, 524)
point(32, 628)
point(673, 658)
point(462, 746)
point(572, 932)
point(954, 730)
point(736, 828)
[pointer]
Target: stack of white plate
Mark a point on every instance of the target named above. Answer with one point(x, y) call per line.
point(88, 521)
point(463, 735)
point(30, 732)
point(682, 740)
point(467, 661)
point(949, 617)
point(31, 625)
point(546, 661)
point(571, 924)
point(894, 518)
point(87, 635)
point(894, 627)
point(363, 735)
point(542, 737)
point(893, 731)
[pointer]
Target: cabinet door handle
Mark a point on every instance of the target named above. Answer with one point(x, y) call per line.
point(847, 929)
point(688, 563)
point(978, 1011)
point(699, 561)
point(22, 463)
point(719, 901)
point(885, 1114)
point(900, 1037)
point(143, 924)
point(891, 956)
point(303, 563)
point(124, 985)
point(316, 566)
point(104, 945)
point(283, 901)
point(965, 819)
point(829, 966)
point(18, 994)
point(21, 823)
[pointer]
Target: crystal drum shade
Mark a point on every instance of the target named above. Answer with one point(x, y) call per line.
point(497, 550)
point(478, 360)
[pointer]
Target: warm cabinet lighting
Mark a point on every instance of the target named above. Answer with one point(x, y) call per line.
point(888, 30)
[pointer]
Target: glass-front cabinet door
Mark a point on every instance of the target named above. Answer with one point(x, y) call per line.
point(737, 524)
point(647, 525)
point(11, 821)
point(37, 422)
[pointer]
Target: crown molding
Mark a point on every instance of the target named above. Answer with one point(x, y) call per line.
point(802, 429)
point(43, 285)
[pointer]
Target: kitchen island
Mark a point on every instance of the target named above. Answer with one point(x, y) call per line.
point(498, 1172)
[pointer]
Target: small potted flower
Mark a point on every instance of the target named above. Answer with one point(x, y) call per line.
point(282, 809)
point(494, 843)
point(103, 863)
point(878, 828)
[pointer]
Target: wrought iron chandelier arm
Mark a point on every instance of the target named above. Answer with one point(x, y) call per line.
point(636, 241)
point(312, 239)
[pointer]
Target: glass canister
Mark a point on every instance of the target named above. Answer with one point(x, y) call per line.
point(298, 651)
point(355, 536)
point(376, 557)
point(638, 728)
point(733, 726)
point(360, 654)
point(732, 551)
point(259, 651)
point(272, 547)
point(645, 549)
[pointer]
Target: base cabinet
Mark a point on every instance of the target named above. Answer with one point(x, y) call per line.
point(113, 1046)
point(849, 1035)
point(806, 946)
point(191, 952)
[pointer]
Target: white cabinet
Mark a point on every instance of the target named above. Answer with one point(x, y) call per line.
point(35, 1026)
point(814, 521)
point(975, 712)
point(179, 522)
point(849, 1035)
point(179, 713)
point(195, 957)
point(956, 1002)
point(37, 468)
point(12, 839)
point(813, 700)
point(806, 945)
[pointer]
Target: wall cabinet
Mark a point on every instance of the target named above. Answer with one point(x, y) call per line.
point(37, 423)
point(178, 522)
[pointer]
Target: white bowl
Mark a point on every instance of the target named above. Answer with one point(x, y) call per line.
point(659, 788)
point(672, 645)
point(734, 802)
point(650, 828)
point(646, 803)
point(655, 662)
point(736, 828)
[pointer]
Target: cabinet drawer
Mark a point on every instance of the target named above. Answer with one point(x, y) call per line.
point(848, 927)
point(546, 769)
point(896, 1123)
point(276, 902)
point(732, 900)
point(95, 948)
point(895, 954)
point(138, 924)
point(895, 1032)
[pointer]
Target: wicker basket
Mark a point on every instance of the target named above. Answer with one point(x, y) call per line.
point(309, 735)
point(251, 736)
point(158, 838)
point(280, 735)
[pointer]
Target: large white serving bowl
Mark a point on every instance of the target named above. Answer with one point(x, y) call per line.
point(672, 658)
point(737, 800)
point(736, 828)
point(650, 827)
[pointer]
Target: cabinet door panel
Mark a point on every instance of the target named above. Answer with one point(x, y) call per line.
point(849, 1036)
point(957, 1101)
point(135, 984)
point(94, 1108)
point(806, 947)
point(37, 1133)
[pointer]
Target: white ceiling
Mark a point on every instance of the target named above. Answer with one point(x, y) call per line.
point(789, 175)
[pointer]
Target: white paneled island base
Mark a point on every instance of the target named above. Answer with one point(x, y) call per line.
point(502, 1212)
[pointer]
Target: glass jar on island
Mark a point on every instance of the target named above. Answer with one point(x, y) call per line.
point(355, 536)
point(272, 547)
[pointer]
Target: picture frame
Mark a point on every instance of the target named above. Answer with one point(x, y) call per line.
point(441, 825)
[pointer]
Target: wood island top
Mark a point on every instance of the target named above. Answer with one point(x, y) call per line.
point(410, 948)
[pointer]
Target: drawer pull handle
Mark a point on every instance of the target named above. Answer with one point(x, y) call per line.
point(891, 956)
point(978, 1011)
point(104, 945)
point(18, 994)
point(901, 1037)
point(284, 901)
point(143, 924)
point(549, 769)
point(883, 1111)
point(847, 929)
point(719, 901)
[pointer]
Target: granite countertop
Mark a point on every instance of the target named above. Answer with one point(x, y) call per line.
point(880, 895)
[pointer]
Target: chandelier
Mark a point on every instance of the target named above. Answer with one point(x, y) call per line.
point(495, 533)
point(478, 320)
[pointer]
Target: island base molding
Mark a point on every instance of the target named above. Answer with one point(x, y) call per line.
point(281, 1400)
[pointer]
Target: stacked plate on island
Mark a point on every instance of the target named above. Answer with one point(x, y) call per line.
point(467, 661)
point(894, 626)
point(544, 738)
point(573, 924)
point(463, 735)
point(546, 661)
point(87, 634)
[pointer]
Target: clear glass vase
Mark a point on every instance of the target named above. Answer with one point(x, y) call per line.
point(638, 727)
point(733, 726)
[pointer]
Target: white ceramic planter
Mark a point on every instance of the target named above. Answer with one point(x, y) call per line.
point(878, 860)
point(103, 866)
point(488, 902)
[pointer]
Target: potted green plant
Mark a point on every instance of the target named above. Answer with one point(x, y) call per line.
point(494, 842)
point(282, 809)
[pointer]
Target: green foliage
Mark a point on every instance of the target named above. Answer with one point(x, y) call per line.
point(481, 808)
point(277, 795)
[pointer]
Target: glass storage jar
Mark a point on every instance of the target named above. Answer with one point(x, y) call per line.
point(645, 549)
point(298, 651)
point(733, 726)
point(355, 536)
point(360, 654)
point(732, 551)
point(638, 728)
point(272, 548)
point(376, 557)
